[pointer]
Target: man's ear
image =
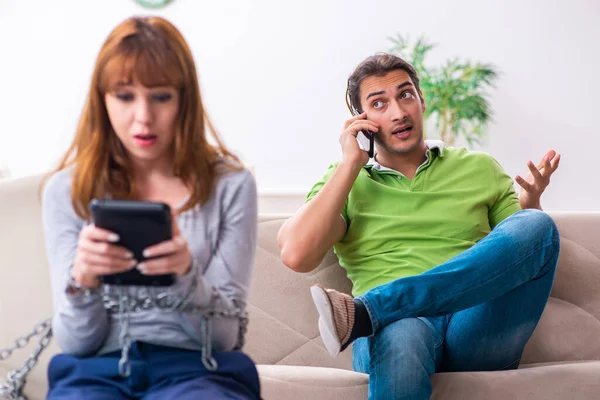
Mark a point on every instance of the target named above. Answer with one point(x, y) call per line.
point(422, 101)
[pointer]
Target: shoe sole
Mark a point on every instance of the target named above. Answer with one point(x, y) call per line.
point(326, 321)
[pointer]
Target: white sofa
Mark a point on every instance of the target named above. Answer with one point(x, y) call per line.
point(561, 361)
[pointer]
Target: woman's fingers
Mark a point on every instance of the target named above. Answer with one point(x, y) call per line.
point(107, 249)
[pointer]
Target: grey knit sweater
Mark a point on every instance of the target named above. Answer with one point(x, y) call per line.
point(221, 235)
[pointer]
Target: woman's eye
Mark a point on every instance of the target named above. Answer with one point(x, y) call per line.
point(162, 97)
point(124, 96)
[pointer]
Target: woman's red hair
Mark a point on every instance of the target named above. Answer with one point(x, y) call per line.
point(153, 51)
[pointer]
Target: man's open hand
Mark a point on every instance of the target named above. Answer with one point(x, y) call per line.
point(537, 180)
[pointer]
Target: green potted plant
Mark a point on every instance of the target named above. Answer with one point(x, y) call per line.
point(456, 93)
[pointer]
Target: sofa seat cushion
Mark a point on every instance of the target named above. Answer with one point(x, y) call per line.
point(292, 382)
point(573, 381)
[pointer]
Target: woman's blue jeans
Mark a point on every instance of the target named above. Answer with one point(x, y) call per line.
point(475, 312)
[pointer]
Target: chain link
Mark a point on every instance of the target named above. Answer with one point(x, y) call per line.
point(13, 388)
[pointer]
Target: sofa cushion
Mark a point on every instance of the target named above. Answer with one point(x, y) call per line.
point(573, 381)
point(570, 325)
point(564, 333)
point(289, 382)
point(282, 328)
point(578, 277)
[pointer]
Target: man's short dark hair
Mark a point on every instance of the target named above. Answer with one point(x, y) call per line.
point(376, 65)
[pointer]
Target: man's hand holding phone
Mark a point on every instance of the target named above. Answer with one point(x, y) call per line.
point(352, 152)
point(97, 255)
point(173, 256)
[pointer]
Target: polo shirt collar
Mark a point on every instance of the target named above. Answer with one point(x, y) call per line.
point(430, 143)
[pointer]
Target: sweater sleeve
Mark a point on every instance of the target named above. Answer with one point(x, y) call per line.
point(80, 322)
point(224, 282)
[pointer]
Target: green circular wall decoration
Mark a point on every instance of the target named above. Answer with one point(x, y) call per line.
point(153, 3)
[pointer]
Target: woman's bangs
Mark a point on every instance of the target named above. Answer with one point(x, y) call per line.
point(150, 66)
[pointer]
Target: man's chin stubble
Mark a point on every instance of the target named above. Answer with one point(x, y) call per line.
point(403, 151)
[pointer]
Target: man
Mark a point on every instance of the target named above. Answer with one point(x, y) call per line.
point(450, 269)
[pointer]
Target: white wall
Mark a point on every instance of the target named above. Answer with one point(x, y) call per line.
point(273, 74)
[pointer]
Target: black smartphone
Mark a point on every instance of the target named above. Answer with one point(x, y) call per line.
point(366, 139)
point(139, 224)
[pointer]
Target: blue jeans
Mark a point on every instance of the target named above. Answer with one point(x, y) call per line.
point(157, 372)
point(475, 312)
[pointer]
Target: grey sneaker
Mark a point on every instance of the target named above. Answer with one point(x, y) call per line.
point(336, 317)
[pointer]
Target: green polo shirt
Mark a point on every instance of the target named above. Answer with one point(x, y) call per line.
point(396, 227)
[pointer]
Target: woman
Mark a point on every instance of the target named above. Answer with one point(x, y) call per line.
point(142, 136)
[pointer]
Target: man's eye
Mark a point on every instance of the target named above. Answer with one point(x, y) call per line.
point(162, 97)
point(124, 96)
point(378, 104)
point(407, 95)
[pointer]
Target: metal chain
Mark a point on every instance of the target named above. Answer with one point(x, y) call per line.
point(123, 305)
point(13, 388)
point(125, 337)
point(113, 305)
point(165, 302)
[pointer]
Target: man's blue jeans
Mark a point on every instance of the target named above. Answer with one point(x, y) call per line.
point(475, 312)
